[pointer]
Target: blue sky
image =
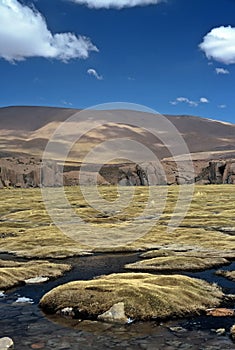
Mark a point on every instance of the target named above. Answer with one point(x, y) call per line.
point(69, 53)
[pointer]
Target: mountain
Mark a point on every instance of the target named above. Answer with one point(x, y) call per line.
point(26, 131)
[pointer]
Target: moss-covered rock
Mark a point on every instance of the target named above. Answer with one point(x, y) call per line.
point(145, 296)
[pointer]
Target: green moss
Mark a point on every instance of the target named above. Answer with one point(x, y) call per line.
point(145, 296)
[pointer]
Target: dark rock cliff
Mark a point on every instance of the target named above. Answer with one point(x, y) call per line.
point(29, 172)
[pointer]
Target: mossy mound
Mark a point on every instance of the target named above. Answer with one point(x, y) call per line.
point(13, 273)
point(145, 296)
point(228, 274)
point(189, 252)
point(176, 263)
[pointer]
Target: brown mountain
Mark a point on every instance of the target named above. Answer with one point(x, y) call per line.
point(26, 131)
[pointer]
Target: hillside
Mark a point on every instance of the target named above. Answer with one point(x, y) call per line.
point(25, 132)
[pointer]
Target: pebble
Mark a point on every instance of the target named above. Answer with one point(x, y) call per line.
point(36, 280)
point(38, 346)
point(220, 331)
point(24, 300)
point(232, 332)
point(67, 312)
point(220, 312)
point(177, 329)
point(6, 343)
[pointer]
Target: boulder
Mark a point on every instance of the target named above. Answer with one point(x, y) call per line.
point(116, 314)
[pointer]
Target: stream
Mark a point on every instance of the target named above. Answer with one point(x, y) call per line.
point(29, 328)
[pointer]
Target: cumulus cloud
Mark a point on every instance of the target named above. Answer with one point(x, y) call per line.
point(221, 71)
point(117, 4)
point(93, 72)
point(24, 33)
point(204, 100)
point(188, 101)
point(222, 106)
point(219, 44)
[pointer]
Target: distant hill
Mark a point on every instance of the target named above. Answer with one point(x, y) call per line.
point(26, 130)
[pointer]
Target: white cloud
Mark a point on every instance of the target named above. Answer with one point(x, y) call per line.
point(93, 72)
point(204, 100)
point(222, 106)
point(66, 103)
point(221, 71)
point(188, 101)
point(219, 44)
point(24, 33)
point(184, 100)
point(118, 4)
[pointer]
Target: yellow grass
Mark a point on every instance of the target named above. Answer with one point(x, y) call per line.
point(228, 274)
point(145, 296)
point(14, 273)
point(176, 263)
point(26, 228)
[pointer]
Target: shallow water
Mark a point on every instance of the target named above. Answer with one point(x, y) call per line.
point(30, 328)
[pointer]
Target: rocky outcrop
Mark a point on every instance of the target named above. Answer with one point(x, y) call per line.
point(218, 172)
point(26, 172)
point(229, 172)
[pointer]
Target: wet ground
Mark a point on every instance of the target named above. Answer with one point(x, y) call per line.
point(31, 329)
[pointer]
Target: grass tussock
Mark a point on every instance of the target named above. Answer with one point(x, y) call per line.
point(26, 229)
point(145, 296)
point(176, 263)
point(195, 252)
point(228, 274)
point(14, 273)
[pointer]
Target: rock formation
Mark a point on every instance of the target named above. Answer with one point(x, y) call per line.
point(31, 172)
point(28, 172)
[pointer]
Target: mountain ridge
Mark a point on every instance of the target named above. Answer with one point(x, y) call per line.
point(27, 129)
